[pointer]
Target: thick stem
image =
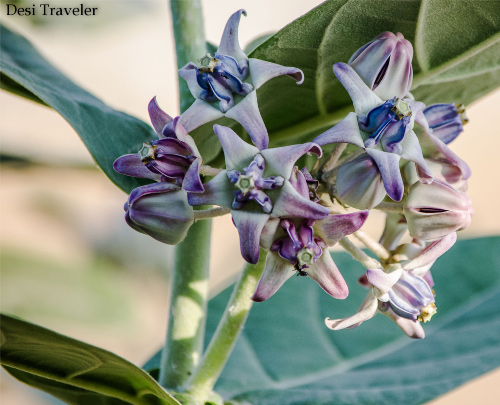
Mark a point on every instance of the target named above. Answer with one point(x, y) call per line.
point(190, 45)
point(189, 284)
point(188, 306)
point(230, 326)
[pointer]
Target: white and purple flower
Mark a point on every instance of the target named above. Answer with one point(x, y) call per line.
point(226, 84)
point(256, 187)
point(173, 158)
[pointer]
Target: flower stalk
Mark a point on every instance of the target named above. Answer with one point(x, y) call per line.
point(188, 307)
point(189, 284)
point(235, 315)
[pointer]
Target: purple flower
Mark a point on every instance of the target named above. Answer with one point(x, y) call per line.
point(256, 186)
point(384, 130)
point(298, 246)
point(435, 210)
point(384, 64)
point(226, 84)
point(161, 211)
point(172, 158)
point(403, 292)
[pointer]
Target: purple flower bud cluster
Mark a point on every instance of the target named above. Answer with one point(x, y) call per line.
point(296, 215)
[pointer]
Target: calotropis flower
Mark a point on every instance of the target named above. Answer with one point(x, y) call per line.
point(383, 129)
point(256, 186)
point(226, 84)
point(384, 64)
point(174, 157)
point(402, 292)
point(299, 246)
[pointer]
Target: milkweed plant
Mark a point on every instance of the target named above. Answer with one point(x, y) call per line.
point(291, 199)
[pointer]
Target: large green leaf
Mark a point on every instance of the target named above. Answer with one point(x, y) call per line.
point(73, 371)
point(107, 133)
point(457, 57)
point(286, 354)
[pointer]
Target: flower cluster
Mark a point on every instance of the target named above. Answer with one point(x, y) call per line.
point(295, 215)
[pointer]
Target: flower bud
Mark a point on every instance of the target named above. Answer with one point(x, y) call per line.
point(384, 64)
point(359, 183)
point(161, 211)
point(446, 120)
point(435, 210)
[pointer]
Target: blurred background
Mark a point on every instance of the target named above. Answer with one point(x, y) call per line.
point(69, 262)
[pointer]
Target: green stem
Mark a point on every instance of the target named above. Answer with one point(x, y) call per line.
point(188, 307)
point(203, 380)
point(190, 44)
point(189, 285)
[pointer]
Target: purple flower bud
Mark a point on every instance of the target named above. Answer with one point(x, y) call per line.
point(161, 211)
point(446, 121)
point(436, 210)
point(384, 64)
point(359, 183)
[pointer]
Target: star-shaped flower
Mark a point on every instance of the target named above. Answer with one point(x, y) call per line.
point(174, 157)
point(256, 186)
point(226, 84)
point(299, 246)
point(384, 130)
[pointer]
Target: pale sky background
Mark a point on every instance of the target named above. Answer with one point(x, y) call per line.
point(126, 63)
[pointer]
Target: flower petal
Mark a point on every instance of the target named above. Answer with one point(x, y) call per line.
point(388, 165)
point(159, 118)
point(262, 71)
point(131, 165)
point(237, 152)
point(291, 204)
point(327, 275)
point(198, 114)
point(411, 150)
point(249, 225)
point(367, 311)
point(276, 272)
point(452, 156)
point(268, 234)
point(192, 181)
point(218, 191)
point(361, 95)
point(346, 131)
point(335, 227)
point(412, 329)
point(432, 252)
point(381, 280)
point(247, 113)
point(280, 161)
point(229, 44)
point(188, 73)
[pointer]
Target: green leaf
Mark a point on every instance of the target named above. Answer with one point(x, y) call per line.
point(107, 133)
point(74, 371)
point(457, 58)
point(286, 355)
